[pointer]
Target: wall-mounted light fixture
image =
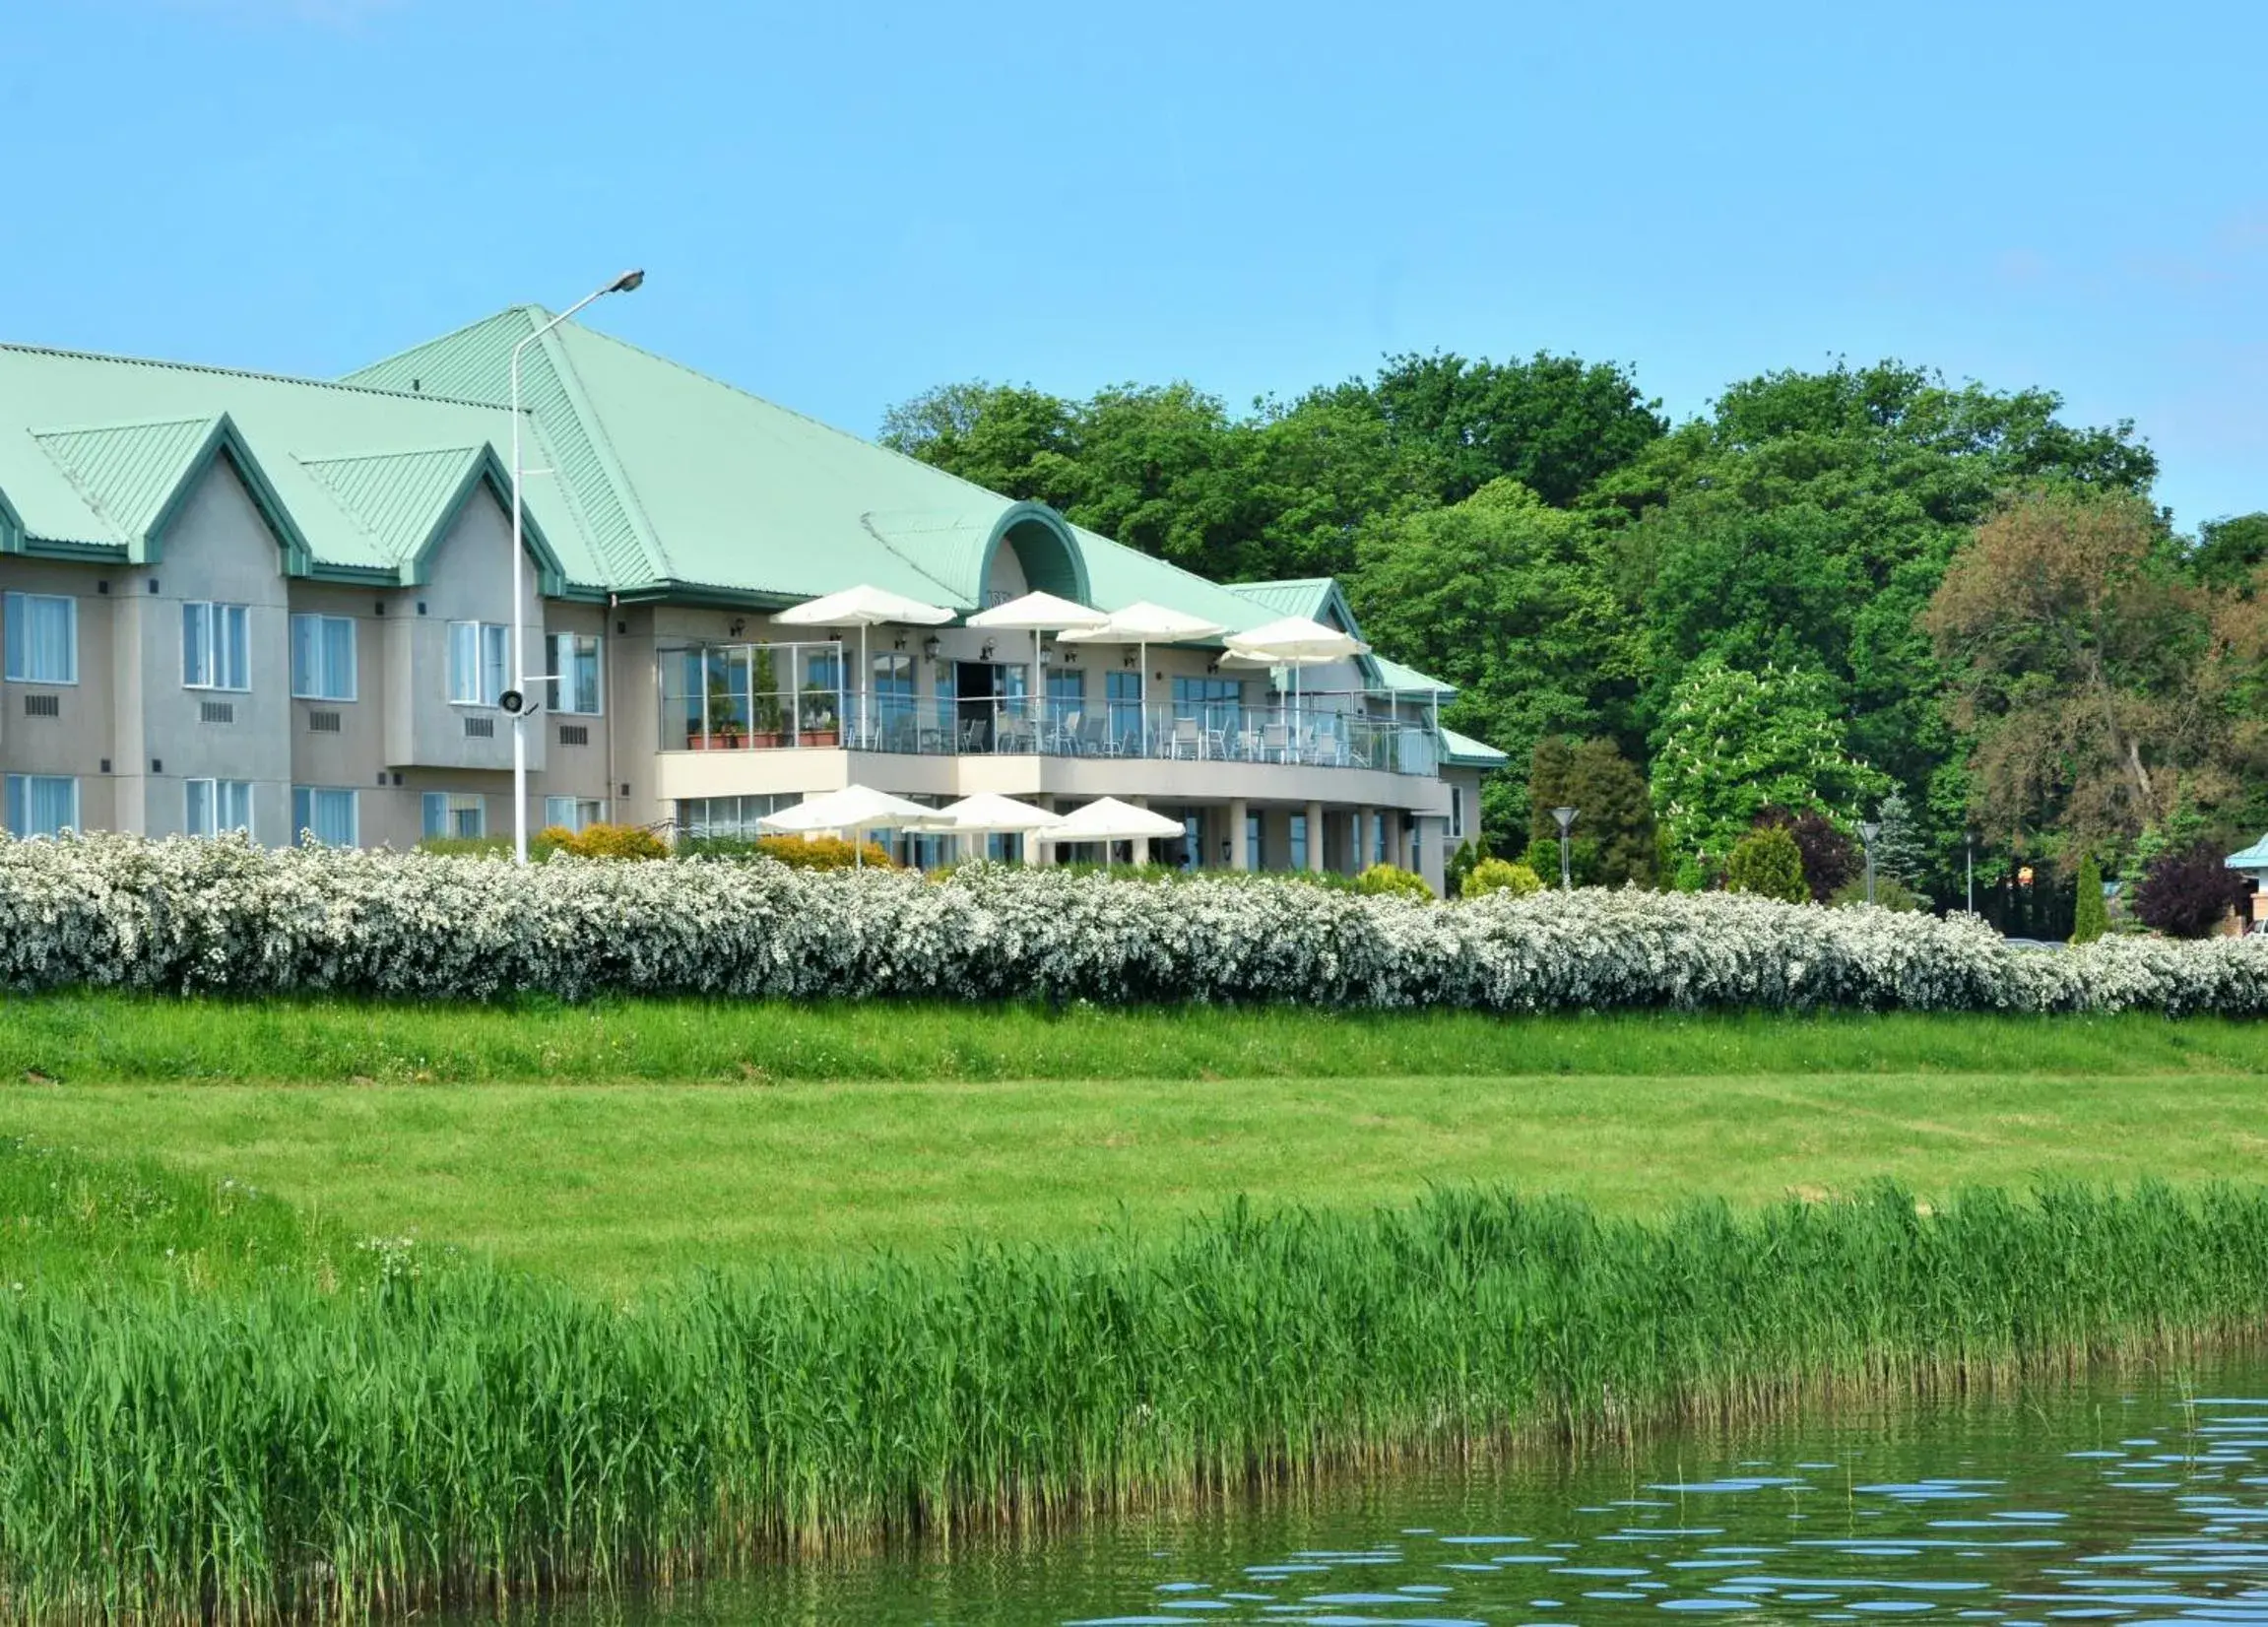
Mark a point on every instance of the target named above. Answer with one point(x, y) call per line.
point(930, 647)
point(898, 645)
point(1126, 658)
point(737, 626)
point(986, 654)
point(1212, 667)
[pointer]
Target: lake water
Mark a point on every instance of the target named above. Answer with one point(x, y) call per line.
point(2142, 1500)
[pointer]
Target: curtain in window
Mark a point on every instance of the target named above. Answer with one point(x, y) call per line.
point(323, 657)
point(477, 662)
point(574, 666)
point(42, 635)
point(329, 815)
point(39, 804)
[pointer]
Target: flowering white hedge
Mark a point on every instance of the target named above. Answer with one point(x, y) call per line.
point(181, 914)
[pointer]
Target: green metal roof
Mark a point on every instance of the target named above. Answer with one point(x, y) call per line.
point(1467, 752)
point(1393, 675)
point(662, 482)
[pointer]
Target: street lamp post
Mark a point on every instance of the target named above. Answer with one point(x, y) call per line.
point(1868, 829)
point(1566, 818)
point(515, 699)
point(1968, 848)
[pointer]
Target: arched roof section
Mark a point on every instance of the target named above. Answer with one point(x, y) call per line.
point(1044, 547)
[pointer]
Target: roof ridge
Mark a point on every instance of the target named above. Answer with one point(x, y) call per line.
point(442, 339)
point(593, 427)
point(237, 372)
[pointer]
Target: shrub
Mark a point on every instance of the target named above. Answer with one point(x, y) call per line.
point(1829, 857)
point(1889, 894)
point(118, 911)
point(1459, 866)
point(824, 853)
point(1769, 864)
point(613, 841)
point(1383, 880)
point(2186, 895)
point(2090, 919)
point(1500, 875)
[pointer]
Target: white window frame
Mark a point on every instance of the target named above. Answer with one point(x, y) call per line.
point(448, 804)
point(307, 684)
point(1456, 813)
point(558, 653)
point(227, 635)
point(216, 795)
point(16, 802)
point(15, 609)
point(301, 828)
point(572, 808)
point(477, 692)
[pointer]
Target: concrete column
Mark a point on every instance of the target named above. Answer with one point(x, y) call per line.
point(1315, 837)
point(1365, 837)
point(1139, 848)
point(1400, 845)
point(1239, 855)
point(1037, 852)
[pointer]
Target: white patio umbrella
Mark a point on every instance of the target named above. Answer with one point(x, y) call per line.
point(1143, 624)
point(1293, 642)
point(861, 606)
point(1107, 820)
point(988, 813)
point(855, 809)
point(1035, 613)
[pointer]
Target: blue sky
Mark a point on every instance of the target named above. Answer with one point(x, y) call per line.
point(839, 204)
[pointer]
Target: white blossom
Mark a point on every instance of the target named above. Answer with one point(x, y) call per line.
point(181, 914)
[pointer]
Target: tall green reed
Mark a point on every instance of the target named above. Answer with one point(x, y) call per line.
point(466, 1434)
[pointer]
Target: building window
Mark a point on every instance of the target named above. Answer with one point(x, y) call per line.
point(732, 816)
point(571, 662)
point(1299, 841)
point(323, 657)
point(477, 658)
point(1252, 857)
point(331, 818)
point(1066, 697)
point(456, 814)
point(42, 633)
point(575, 813)
point(212, 807)
point(216, 647)
point(39, 804)
point(1121, 690)
point(1455, 811)
point(1216, 702)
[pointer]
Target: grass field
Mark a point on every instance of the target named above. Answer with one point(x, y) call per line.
point(614, 1180)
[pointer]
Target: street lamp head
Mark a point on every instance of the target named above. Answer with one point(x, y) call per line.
point(1565, 817)
point(626, 283)
point(1868, 829)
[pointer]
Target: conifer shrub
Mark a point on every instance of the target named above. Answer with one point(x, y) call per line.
point(2090, 920)
point(1768, 864)
point(1505, 876)
point(1392, 879)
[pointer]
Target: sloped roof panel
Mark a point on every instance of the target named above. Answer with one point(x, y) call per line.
point(126, 472)
point(397, 497)
point(1304, 595)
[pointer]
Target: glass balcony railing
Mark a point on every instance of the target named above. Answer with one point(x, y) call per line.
point(769, 698)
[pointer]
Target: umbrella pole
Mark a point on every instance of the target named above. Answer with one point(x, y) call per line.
point(1141, 697)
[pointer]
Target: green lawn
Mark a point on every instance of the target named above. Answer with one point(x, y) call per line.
point(614, 1184)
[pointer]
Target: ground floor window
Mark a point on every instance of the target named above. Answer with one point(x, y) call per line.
point(39, 805)
point(1299, 841)
point(456, 814)
point(1253, 858)
point(1456, 811)
point(333, 817)
point(731, 816)
point(211, 808)
point(574, 814)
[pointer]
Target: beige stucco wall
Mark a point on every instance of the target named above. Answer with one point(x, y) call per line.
point(468, 578)
point(218, 548)
point(76, 742)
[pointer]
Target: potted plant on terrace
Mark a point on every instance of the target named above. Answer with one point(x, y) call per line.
point(770, 725)
point(819, 723)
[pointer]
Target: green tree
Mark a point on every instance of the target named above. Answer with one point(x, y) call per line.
point(1493, 596)
point(1555, 423)
point(1613, 839)
point(2230, 550)
point(1008, 439)
point(1767, 862)
point(2090, 919)
point(2098, 690)
point(1898, 849)
point(1736, 742)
